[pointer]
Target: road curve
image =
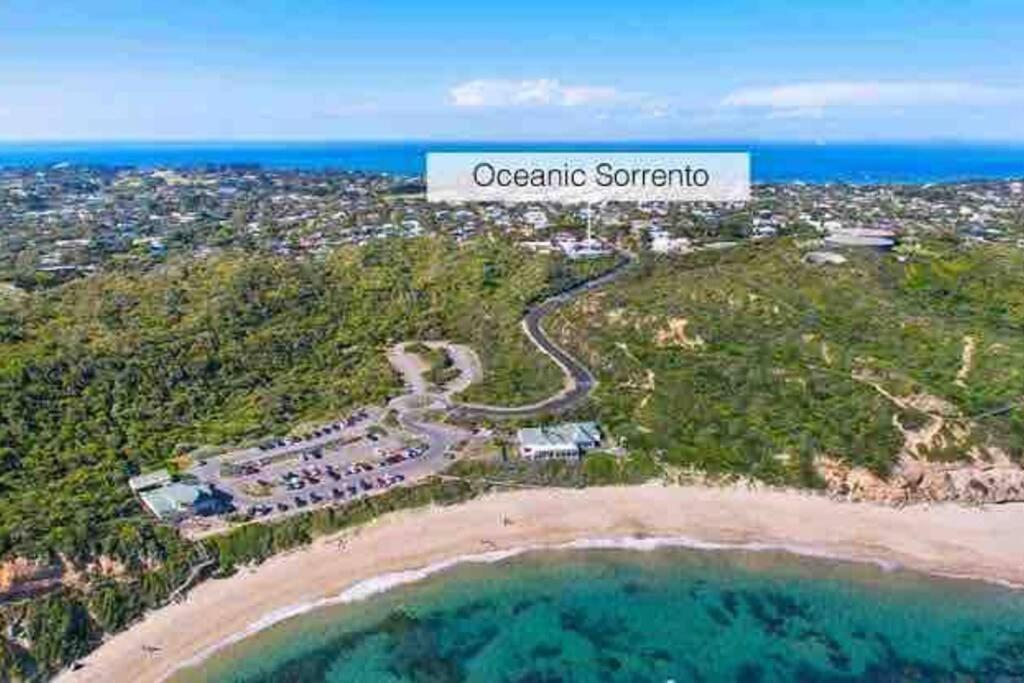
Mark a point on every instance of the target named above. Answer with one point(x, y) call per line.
point(579, 380)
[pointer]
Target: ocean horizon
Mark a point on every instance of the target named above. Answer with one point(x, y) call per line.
point(846, 162)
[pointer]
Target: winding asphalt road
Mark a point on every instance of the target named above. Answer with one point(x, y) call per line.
point(579, 380)
point(414, 408)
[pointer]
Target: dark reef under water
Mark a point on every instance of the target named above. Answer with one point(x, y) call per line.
point(671, 615)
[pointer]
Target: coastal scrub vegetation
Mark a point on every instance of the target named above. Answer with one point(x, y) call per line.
point(598, 468)
point(749, 361)
point(113, 374)
point(746, 361)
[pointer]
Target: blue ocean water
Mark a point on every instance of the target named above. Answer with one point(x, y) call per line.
point(772, 162)
point(671, 615)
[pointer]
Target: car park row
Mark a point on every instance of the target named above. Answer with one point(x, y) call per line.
point(314, 484)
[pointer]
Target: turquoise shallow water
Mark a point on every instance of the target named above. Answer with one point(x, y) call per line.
point(668, 615)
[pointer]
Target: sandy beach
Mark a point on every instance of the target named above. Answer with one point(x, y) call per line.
point(983, 543)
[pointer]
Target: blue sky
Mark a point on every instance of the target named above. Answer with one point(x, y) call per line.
point(774, 69)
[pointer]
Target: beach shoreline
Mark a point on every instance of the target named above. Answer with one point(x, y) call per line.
point(945, 540)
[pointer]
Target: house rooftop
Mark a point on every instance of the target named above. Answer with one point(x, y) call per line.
point(150, 480)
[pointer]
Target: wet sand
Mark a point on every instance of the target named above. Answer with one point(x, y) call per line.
point(983, 543)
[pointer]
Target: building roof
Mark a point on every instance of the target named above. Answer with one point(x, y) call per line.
point(150, 480)
point(175, 498)
point(567, 435)
point(846, 239)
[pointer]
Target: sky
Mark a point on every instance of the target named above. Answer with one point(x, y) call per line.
point(870, 70)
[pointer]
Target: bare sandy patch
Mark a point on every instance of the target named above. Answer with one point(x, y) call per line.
point(966, 361)
point(675, 335)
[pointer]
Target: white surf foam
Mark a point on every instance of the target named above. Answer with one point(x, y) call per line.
point(382, 583)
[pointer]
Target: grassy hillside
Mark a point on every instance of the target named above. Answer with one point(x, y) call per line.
point(744, 361)
point(115, 373)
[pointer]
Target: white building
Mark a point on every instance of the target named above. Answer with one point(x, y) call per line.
point(536, 218)
point(662, 242)
point(570, 440)
point(583, 249)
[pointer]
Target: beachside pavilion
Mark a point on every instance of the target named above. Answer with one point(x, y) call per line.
point(567, 440)
point(175, 500)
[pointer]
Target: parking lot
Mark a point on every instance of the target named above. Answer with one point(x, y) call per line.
point(364, 453)
point(274, 450)
point(334, 463)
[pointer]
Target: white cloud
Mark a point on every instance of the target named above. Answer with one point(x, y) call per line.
point(537, 93)
point(656, 111)
point(574, 96)
point(797, 113)
point(819, 95)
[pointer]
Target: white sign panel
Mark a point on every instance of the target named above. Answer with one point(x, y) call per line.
point(588, 177)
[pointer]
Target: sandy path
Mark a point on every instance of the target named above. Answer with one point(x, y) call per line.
point(412, 367)
point(941, 538)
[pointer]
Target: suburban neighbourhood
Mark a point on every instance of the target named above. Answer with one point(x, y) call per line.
point(66, 221)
